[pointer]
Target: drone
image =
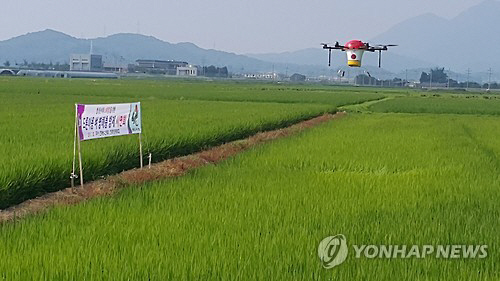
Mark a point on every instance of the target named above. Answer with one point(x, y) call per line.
point(354, 50)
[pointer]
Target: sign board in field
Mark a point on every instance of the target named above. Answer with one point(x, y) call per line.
point(95, 121)
point(108, 120)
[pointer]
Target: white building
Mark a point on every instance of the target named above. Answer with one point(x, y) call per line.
point(189, 70)
point(85, 62)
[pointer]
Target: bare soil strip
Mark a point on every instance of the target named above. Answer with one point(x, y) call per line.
point(169, 168)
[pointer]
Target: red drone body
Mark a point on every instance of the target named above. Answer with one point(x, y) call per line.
point(355, 50)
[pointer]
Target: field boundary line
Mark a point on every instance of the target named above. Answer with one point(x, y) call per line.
point(162, 170)
point(364, 106)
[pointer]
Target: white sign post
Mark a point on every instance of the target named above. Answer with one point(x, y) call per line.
point(94, 121)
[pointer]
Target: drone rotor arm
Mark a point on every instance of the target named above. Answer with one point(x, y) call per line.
point(333, 47)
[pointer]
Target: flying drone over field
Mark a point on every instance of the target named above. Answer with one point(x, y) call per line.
point(354, 50)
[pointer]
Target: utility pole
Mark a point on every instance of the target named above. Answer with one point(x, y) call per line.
point(430, 80)
point(489, 79)
point(448, 78)
point(406, 79)
point(468, 75)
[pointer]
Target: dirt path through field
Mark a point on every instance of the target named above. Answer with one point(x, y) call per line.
point(162, 170)
point(364, 107)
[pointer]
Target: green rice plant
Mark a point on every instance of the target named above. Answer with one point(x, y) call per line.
point(192, 90)
point(38, 144)
point(458, 104)
point(37, 119)
point(378, 179)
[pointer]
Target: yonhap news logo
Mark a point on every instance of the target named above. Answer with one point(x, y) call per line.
point(333, 251)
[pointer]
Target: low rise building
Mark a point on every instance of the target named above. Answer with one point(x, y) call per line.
point(85, 62)
point(168, 67)
point(189, 70)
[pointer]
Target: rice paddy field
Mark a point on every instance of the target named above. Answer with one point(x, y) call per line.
point(393, 174)
point(37, 120)
point(437, 103)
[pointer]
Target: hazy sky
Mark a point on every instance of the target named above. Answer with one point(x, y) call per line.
point(240, 26)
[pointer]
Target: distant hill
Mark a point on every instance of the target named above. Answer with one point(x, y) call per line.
point(468, 40)
point(120, 49)
point(42, 46)
point(311, 56)
point(50, 45)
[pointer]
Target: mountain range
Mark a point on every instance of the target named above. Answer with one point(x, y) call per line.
point(468, 40)
point(53, 46)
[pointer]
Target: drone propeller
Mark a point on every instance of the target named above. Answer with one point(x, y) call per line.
point(385, 45)
point(380, 48)
point(336, 45)
point(326, 45)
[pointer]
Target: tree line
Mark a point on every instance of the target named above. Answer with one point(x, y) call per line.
point(37, 65)
point(439, 76)
point(214, 71)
